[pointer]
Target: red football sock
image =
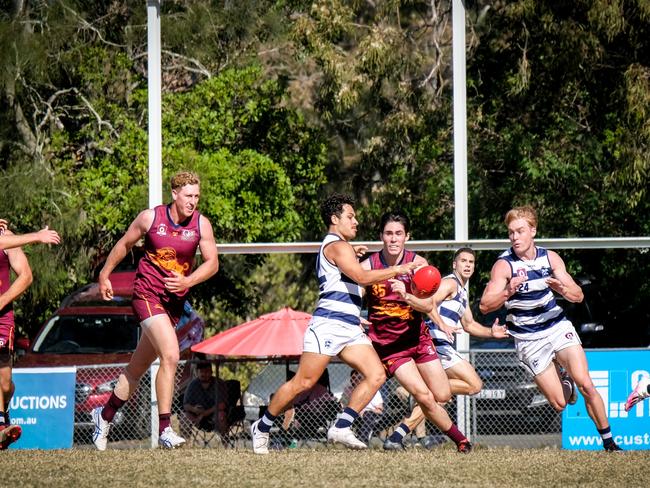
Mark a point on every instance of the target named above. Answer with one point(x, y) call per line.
point(112, 406)
point(164, 421)
point(455, 435)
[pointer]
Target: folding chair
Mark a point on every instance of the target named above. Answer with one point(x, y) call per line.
point(202, 434)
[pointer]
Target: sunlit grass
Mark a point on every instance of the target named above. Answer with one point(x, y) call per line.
point(324, 467)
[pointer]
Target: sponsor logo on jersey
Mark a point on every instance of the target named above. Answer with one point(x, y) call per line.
point(522, 272)
point(162, 230)
point(187, 235)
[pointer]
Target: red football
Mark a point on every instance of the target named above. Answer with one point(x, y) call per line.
point(425, 281)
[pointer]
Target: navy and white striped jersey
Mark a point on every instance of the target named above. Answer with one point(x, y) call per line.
point(532, 310)
point(339, 297)
point(450, 311)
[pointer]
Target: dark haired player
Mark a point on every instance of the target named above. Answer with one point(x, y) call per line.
point(334, 329)
point(451, 308)
point(401, 338)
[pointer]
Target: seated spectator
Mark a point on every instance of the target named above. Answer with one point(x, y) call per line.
point(205, 400)
point(370, 415)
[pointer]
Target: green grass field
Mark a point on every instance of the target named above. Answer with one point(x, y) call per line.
point(324, 467)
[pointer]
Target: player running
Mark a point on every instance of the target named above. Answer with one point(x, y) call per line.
point(524, 279)
point(401, 338)
point(172, 233)
point(334, 329)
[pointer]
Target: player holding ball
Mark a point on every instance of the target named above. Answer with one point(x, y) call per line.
point(398, 333)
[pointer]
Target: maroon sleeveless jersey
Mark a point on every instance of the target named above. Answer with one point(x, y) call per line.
point(7, 313)
point(392, 319)
point(168, 248)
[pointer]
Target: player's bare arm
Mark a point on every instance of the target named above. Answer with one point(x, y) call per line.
point(500, 287)
point(343, 256)
point(561, 281)
point(20, 266)
point(208, 267)
point(420, 304)
point(134, 233)
point(472, 327)
point(43, 236)
point(445, 291)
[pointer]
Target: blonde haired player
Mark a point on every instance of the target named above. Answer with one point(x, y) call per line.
point(524, 279)
point(172, 233)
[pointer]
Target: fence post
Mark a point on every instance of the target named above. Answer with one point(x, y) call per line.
point(154, 404)
point(463, 404)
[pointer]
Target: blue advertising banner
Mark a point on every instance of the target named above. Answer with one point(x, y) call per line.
point(43, 406)
point(615, 374)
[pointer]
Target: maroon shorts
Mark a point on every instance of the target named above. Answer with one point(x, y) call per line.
point(146, 306)
point(393, 356)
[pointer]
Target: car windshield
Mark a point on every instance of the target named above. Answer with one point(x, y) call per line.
point(80, 334)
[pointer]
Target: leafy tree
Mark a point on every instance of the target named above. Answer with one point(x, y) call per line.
point(559, 121)
point(276, 103)
point(75, 100)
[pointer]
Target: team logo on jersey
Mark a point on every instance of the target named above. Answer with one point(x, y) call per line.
point(162, 230)
point(187, 235)
point(522, 273)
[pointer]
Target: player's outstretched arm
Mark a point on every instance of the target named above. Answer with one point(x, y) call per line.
point(44, 236)
point(343, 256)
point(472, 327)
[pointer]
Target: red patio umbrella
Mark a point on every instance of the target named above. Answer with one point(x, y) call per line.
point(273, 334)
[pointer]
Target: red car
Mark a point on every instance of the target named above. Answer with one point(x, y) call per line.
point(98, 337)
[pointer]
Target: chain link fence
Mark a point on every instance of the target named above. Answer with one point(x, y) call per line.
point(509, 411)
